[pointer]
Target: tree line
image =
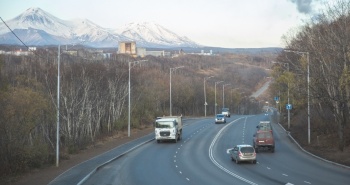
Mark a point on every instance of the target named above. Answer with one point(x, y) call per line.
point(320, 51)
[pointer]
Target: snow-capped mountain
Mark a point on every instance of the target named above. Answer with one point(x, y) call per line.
point(149, 34)
point(38, 27)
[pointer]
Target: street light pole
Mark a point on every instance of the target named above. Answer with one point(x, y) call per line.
point(58, 108)
point(205, 96)
point(308, 89)
point(171, 70)
point(288, 97)
point(308, 97)
point(215, 94)
point(223, 95)
point(129, 92)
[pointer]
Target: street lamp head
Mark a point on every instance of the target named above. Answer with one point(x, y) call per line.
point(207, 78)
point(219, 82)
point(179, 67)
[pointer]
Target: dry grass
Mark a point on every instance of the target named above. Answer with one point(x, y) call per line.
point(323, 138)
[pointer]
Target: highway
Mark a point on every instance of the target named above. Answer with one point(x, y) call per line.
point(201, 158)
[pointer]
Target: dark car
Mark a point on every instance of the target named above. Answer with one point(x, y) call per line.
point(243, 153)
point(220, 118)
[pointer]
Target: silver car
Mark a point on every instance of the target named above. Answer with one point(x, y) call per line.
point(220, 118)
point(243, 153)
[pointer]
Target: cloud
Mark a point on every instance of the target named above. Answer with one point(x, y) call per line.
point(303, 6)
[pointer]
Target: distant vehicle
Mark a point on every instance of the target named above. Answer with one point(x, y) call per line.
point(168, 128)
point(264, 126)
point(243, 153)
point(263, 140)
point(226, 112)
point(220, 118)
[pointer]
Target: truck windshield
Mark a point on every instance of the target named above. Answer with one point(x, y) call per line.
point(164, 124)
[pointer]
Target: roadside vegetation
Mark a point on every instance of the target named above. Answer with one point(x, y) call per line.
point(321, 50)
point(94, 98)
point(94, 93)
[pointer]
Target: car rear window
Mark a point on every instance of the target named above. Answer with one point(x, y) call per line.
point(247, 150)
point(264, 135)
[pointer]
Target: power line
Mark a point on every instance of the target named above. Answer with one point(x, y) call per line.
point(13, 32)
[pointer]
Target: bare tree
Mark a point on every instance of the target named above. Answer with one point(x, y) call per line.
point(327, 39)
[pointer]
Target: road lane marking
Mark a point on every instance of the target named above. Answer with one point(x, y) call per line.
point(187, 179)
point(211, 156)
point(285, 175)
point(307, 182)
point(268, 168)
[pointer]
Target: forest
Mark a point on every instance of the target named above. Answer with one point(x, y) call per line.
point(314, 69)
point(93, 97)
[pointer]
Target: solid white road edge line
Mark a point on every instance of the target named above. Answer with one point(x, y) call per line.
point(217, 164)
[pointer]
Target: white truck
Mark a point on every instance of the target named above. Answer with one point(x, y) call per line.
point(226, 112)
point(168, 128)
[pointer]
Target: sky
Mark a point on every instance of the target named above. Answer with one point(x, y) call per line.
point(218, 23)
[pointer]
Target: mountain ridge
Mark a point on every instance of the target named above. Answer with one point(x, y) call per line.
point(38, 27)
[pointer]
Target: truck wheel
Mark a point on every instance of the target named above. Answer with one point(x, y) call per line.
point(256, 150)
point(254, 162)
point(272, 150)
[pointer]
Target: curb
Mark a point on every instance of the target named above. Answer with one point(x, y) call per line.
point(113, 159)
point(311, 154)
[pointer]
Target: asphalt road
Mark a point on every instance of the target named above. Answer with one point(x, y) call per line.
point(201, 158)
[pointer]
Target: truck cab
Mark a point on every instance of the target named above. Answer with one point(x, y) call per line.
point(168, 128)
point(226, 112)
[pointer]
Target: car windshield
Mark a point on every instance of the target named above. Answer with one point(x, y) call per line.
point(247, 150)
point(164, 124)
point(225, 109)
point(219, 115)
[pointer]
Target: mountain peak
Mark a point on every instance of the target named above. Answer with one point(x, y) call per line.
point(51, 28)
point(151, 33)
point(31, 14)
point(34, 10)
